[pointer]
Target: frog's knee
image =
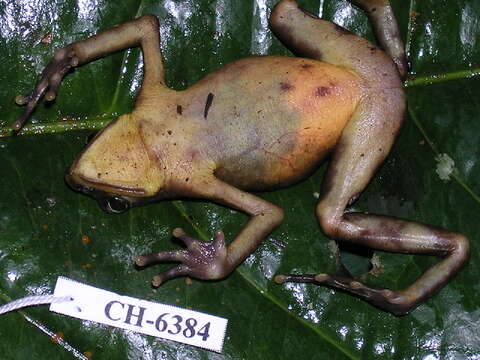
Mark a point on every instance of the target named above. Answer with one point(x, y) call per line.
point(149, 21)
point(397, 303)
point(276, 215)
point(461, 248)
point(286, 5)
point(329, 218)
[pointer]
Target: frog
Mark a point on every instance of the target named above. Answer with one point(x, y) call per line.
point(258, 124)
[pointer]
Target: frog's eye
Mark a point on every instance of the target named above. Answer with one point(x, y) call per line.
point(117, 205)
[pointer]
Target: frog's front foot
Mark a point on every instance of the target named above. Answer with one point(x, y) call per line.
point(201, 260)
point(395, 302)
point(48, 84)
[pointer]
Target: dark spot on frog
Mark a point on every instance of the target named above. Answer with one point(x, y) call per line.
point(186, 180)
point(179, 109)
point(373, 49)
point(373, 9)
point(322, 91)
point(208, 103)
point(285, 86)
point(169, 132)
point(306, 66)
point(395, 230)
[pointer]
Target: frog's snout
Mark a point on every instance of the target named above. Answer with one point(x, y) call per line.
point(75, 186)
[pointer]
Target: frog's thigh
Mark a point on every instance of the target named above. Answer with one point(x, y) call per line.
point(362, 148)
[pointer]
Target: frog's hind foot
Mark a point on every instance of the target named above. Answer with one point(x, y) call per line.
point(385, 299)
point(201, 260)
point(48, 84)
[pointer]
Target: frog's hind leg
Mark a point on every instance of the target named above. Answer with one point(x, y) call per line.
point(141, 32)
point(361, 149)
point(311, 37)
point(386, 30)
point(363, 145)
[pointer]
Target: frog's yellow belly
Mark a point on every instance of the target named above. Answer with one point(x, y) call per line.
point(272, 119)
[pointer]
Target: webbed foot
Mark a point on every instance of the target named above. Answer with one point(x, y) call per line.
point(393, 301)
point(201, 260)
point(48, 84)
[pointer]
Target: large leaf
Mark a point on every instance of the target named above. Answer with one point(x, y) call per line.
point(42, 222)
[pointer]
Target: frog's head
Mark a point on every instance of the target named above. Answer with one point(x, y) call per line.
point(116, 168)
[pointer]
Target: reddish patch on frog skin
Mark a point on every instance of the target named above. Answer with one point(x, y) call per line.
point(322, 91)
point(285, 86)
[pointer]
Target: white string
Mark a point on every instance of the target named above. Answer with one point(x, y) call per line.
point(33, 300)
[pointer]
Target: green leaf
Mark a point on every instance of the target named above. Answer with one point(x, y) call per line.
point(42, 222)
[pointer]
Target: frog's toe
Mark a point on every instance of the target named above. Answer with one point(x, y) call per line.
point(181, 235)
point(162, 256)
point(180, 270)
point(201, 248)
point(303, 278)
point(22, 99)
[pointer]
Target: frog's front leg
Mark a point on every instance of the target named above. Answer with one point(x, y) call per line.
point(141, 32)
point(214, 260)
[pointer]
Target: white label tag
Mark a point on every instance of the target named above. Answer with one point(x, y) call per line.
point(146, 317)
